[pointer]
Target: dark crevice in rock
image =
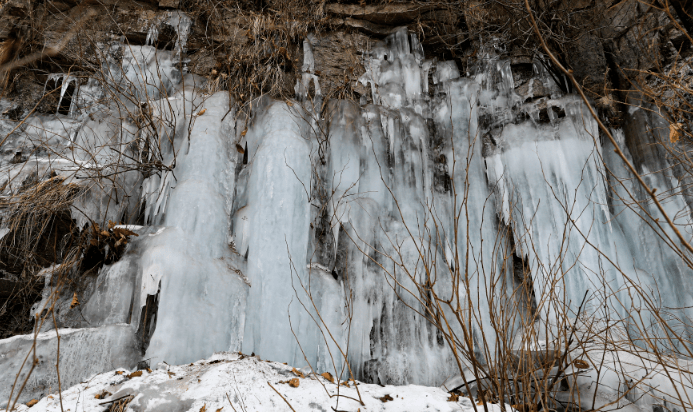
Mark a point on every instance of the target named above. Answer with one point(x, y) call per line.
point(148, 320)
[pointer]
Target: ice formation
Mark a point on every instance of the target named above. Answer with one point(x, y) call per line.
point(83, 353)
point(275, 230)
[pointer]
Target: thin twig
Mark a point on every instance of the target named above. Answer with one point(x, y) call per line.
point(287, 402)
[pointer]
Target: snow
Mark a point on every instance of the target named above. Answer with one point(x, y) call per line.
point(230, 381)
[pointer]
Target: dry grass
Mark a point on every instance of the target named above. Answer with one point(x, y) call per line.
point(40, 224)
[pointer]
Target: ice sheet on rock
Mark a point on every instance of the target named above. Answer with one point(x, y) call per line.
point(103, 147)
point(327, 295)
point(394, 72)
point(551, 191)
point(83, 353)
point(457, 123)
point(497, 94)
point(140, 74)
point(446, 70)
point(112, 299)
point(655, 266)
point(82, 151)
point(573, 215)
point(172, 138)
point(297, 209)
point(55, 131)
point(181, 24)
point(344, 166)
point(388, 342)
point(88, 98)
point(75, 150)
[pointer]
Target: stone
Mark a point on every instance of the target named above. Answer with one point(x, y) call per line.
point(169, 4)
point(389, 14)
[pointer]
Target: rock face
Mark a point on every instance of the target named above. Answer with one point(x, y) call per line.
point(295, 228)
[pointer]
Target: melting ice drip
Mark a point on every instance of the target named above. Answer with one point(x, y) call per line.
point(247, 236)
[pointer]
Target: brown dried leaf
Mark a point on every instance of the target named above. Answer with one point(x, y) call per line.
point(119, 372)
point(581, 364)
point(453, 397)
point(386, 398)
point(675, 130)
point(75, 301)
point(32, 403)
point(202, 112)
point(135, 374)
point(328, 376)
point(294, 382)
point(240, 148)
point(203, 408)
point(122, 232)
point(298, 373)
point(102, 395)
point(219, 410)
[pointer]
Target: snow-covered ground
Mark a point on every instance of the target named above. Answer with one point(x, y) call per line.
point(234, 382)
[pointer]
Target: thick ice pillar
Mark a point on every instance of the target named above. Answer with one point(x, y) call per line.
point(202, 301)
point(279, 213)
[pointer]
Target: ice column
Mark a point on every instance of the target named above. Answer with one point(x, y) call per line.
point(279, 217)
point(202, 300)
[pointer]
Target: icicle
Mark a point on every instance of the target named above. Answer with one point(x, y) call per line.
point(54, 77)
point(303, 86)
point(181, 23)
point(152, 34)
point(425, 69)
point(66, 83)
point(73, 102)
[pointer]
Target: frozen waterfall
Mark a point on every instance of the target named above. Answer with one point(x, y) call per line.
point(275, 230)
